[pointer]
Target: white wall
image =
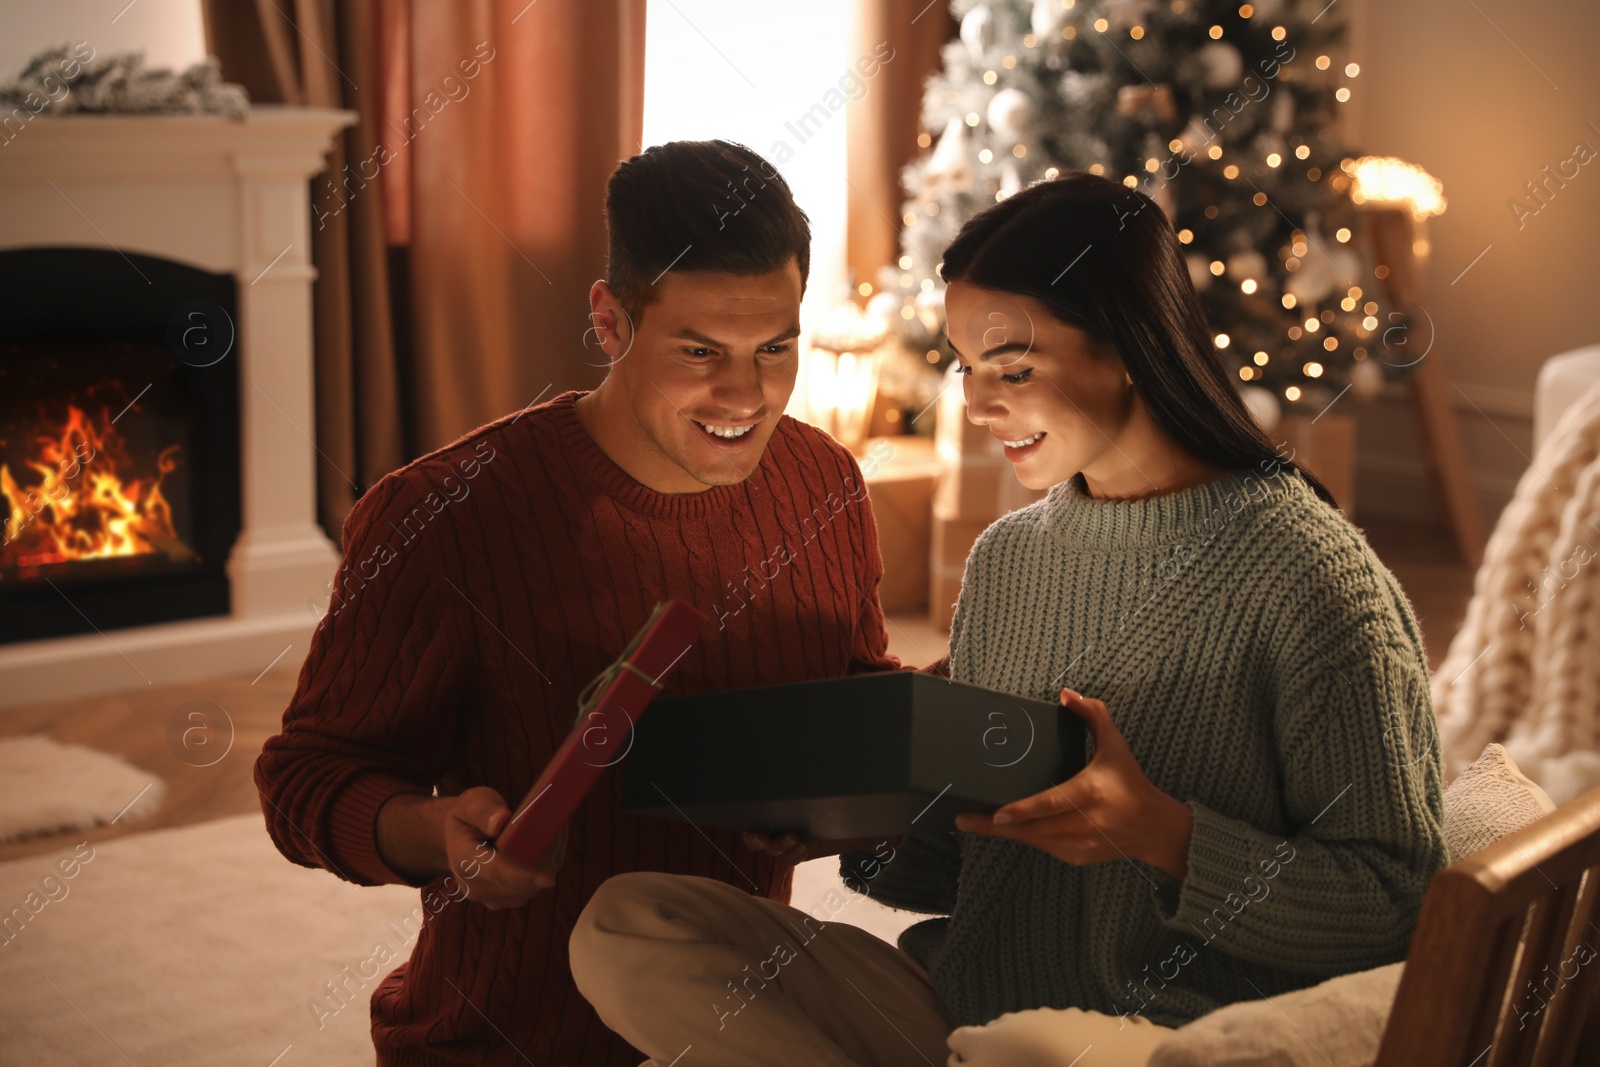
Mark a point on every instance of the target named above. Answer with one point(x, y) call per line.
point(1484, 95)
point(168, 31)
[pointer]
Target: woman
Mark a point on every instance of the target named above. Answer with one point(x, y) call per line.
point(1262, 809)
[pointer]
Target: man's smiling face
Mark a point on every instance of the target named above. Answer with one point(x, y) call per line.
point(702, 380)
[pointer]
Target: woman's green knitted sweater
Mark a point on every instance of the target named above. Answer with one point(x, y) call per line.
point(1265, 668)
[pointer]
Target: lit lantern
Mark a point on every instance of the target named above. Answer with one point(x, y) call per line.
point(841, 373)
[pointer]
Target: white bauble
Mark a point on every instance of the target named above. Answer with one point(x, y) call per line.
point(885, 305)
point(951, 161)
point(1010, 114)
point(1252, 264)
point(1222, 64)
point(977, 32)
point(1314, 280)
point(1366, 380)
point(1049, 18)
point(1316, 276)
point(1326, 266)
point(1199, 272)
point(1346, 263)
point(1263, 406)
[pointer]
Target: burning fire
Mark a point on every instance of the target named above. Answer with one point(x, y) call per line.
point(82, 509)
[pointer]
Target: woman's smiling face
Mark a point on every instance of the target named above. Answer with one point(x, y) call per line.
point(1058, 401)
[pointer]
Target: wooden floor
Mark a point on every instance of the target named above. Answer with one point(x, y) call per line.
point(146, 726)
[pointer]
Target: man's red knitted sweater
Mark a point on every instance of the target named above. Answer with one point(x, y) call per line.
point(482, 587)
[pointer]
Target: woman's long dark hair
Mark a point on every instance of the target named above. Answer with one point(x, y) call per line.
point(1104, 259)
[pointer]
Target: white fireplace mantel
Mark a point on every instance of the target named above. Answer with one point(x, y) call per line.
point(229, 197)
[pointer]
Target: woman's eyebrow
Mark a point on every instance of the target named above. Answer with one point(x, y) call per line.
point(1008, 348)
point(998, 350)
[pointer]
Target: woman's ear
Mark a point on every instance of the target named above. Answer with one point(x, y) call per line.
point(1127, 377)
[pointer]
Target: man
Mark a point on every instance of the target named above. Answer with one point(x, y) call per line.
point(485, 584)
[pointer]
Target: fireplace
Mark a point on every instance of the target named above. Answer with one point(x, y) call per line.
point(119, 442)
point(157, 464)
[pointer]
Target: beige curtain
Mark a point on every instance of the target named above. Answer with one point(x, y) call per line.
point(460, 222)
point(884, 124)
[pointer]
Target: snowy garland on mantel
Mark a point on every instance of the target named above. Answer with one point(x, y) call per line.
point(71, 80)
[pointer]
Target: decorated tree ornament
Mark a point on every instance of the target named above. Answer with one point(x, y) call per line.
point(885, 305)
point(977, 32)
point(1263, 406)
point(1367, 379)
point(1321, 270)
point(1221, 64)
point(1312, 282)
point(950, 165)
point(1147, 94)
point(1010, 115)
point(1049, 18)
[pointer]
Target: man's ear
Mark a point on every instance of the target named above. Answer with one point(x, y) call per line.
point(610, 333)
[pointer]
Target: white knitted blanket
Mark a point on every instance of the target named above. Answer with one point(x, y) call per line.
point(1524, 670)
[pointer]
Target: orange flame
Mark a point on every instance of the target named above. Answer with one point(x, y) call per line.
point(82, 509)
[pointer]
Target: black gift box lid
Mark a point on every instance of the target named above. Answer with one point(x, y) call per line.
point(868, 755)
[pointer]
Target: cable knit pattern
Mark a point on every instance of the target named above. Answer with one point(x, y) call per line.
point(1522, 668)
point(1266, 668)
point(483, 586)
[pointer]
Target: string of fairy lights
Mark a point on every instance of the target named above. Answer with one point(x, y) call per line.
point(1102, 88)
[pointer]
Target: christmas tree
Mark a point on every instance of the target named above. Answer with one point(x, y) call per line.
point(1225, 114)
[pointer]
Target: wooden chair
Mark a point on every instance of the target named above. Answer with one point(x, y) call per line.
point(1504, 966)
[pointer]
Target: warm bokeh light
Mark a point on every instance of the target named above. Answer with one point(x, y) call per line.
point(1387, 180)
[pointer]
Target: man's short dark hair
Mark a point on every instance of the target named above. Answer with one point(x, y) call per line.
point(699, 206)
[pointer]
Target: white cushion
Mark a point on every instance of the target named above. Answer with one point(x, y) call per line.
point(1339, 1021)
point(1562, 381)
point(1342, 1020)
point(1489, 800)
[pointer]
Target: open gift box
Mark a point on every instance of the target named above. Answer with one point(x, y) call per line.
point(863, 756)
